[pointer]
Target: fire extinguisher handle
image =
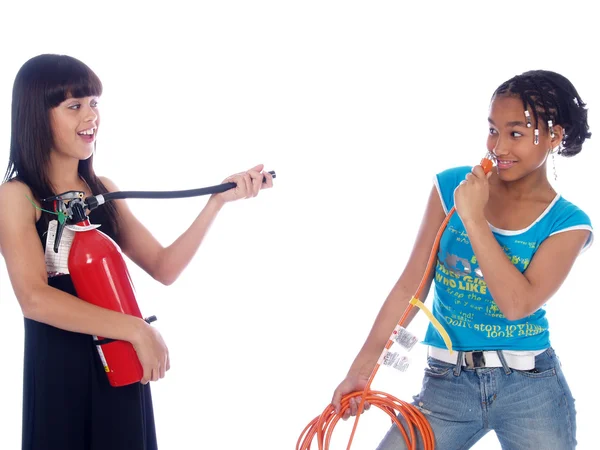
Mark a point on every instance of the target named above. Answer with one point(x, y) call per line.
point(103, 341)
point(59, 231)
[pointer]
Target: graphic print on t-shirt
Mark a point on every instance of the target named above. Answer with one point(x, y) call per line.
point(472, 305)
point(462, 301)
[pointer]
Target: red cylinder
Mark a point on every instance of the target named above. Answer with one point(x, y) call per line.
point(100, 277)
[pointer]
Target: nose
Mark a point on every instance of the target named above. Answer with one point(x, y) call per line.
point(90, 115)
point(499, 149)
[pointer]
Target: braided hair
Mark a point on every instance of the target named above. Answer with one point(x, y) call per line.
point(553, 99)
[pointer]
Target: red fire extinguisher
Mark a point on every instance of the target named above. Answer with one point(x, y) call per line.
point(100, 276)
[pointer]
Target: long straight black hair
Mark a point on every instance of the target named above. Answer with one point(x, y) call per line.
point(43, 83)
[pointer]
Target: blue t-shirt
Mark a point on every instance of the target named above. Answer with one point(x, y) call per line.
point(461, 301)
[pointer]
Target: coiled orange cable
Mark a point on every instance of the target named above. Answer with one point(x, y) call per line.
point(323, 425)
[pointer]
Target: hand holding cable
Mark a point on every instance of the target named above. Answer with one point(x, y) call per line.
point(352, 383)
point(472, 194)
point(247, 184)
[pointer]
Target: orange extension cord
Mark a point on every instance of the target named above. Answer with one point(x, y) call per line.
point(323, 425)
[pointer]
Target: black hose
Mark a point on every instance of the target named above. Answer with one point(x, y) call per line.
point(95, 201)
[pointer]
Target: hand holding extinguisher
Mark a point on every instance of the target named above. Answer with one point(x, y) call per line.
point(153, 354)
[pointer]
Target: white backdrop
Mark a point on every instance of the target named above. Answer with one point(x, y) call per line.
point(355, 105)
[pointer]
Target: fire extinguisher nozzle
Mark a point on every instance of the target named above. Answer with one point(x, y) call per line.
point(91, 203)
point(94, 201)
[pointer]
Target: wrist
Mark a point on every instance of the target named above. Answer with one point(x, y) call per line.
point(478, 220)
point(363, 370)
point(215, 202)
point(137, 330)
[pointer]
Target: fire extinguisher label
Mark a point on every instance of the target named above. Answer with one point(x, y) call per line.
point(58, 263)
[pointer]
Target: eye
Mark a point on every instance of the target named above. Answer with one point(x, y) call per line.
point(492, 131)
point(75, 106)
point(94, 103)
point(516, 134)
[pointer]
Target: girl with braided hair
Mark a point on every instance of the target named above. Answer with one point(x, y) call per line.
point(500, 260)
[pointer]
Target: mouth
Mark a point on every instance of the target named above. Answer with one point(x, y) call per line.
point(504, 164)
point(88, 135)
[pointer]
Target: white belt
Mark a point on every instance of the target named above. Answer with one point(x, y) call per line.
point(519, 360)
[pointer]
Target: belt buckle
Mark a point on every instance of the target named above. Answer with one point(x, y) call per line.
point(474, 360)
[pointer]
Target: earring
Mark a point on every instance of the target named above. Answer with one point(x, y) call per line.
point(536, 139)
point(554, 166)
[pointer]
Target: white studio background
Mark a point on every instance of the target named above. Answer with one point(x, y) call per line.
point(356, 105)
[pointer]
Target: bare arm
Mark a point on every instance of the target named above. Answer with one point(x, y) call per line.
point(165, 264)
point(517, 294)
point(22, 250)
point(400, 295)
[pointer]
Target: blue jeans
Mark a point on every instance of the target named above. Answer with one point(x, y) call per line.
point(526, 409)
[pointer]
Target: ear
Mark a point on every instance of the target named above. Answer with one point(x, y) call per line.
point(559, 134)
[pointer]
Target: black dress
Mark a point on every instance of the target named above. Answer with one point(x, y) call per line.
point(68, 403)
